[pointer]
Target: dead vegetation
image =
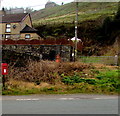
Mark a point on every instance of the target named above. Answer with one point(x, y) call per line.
point(49, 77)
point(45, 71)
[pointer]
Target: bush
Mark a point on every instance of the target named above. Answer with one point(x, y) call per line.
point(91, 81)
point(99, 77)
point(76, 79)
point(46, 71)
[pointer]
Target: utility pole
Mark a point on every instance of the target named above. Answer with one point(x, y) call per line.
point(76, 24)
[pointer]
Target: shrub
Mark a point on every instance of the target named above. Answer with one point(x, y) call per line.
point(95, 71)
point(91, 81)
point(76, 79)
point(46, 71)
point(99, 77)
point(67, 80)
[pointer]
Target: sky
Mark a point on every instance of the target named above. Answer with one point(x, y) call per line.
point(35, 4)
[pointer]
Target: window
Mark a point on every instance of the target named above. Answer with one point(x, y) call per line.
point(1, 36)
point(27, 36)
point(8, 28)
point(14, 26)
point(7, 36)
point(8, 25)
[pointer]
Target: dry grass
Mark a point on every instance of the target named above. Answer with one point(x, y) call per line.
point(103, 65)
point(19, 84)
point(15, 87)
point(45, 71)
point(25, 85)
point(46, 77)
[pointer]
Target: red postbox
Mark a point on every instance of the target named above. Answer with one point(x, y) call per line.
point(4, 67)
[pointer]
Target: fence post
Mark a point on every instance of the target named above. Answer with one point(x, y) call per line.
point(116, 59)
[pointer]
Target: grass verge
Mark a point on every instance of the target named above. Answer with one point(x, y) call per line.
point(73, 78)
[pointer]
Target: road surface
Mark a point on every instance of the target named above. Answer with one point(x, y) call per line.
point(60, 104)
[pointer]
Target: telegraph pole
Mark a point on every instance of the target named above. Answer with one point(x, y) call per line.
point(76, 25)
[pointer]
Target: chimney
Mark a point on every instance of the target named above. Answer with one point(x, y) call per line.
point(2, 12)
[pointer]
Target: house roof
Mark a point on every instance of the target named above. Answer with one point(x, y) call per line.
point(10, 18)
point(28, 29)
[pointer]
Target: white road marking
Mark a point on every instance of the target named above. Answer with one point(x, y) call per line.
point(106, 98)
point(27, 99)
point(64, 98)
point(67, 99)
point(86, 98)
point(97, 98)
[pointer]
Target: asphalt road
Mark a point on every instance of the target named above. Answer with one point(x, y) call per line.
point(60, 104)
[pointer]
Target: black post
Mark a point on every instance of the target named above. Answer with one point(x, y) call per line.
point(3, 81)
point(71, 52)
point(74, 59)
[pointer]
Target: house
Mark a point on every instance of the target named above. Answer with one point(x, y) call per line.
point(29, 33)
point(17, 26)
point(50, 4)
point(15, 10)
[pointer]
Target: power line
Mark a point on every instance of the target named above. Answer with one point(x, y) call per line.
point(39, 5)
point(44, 4)
point(36, 5)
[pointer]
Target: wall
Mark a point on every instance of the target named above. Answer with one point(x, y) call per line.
point(33, 36)
point(26, 21)
point(15, 33)
point(37, 51)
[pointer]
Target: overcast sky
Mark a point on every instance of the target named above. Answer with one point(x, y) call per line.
point(37, 4)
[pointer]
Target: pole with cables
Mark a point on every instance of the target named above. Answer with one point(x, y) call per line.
point(76, 25)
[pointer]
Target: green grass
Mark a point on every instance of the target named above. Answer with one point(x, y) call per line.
point(62, 78)
point(108, 60)
point(66, 13)
point(103, 82)
point(106, 82)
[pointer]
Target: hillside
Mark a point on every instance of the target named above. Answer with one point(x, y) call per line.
point(97, 26)
point(66, 12)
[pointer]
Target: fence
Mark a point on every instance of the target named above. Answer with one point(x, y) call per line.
point(107, 60)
